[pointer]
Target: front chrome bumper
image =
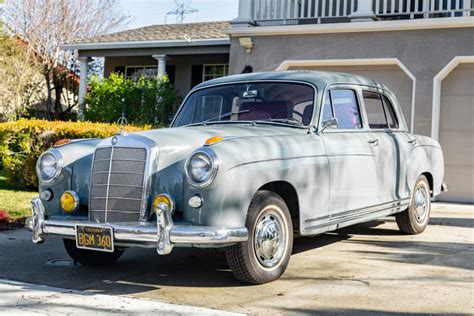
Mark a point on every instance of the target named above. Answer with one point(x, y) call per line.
point(164, 234)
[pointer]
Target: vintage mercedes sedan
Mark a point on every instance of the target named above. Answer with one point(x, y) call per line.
point(249, 162)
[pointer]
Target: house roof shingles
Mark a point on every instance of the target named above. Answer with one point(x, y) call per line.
point(186, 31)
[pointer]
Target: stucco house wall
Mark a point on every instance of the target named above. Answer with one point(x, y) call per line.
point(423, 52)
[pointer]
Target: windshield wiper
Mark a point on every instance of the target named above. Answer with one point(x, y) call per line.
point(219, 117)
point(288, 121)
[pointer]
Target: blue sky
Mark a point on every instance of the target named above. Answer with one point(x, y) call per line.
point(149, 12)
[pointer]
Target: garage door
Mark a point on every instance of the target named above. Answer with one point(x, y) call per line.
point(456, 133)
point(391, 75)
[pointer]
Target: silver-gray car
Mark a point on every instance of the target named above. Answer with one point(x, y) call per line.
point(249, 162)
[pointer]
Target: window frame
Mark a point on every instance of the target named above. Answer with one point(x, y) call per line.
point(316, 90)
point(362, 114)
point(139, 66)
point(402, 127)
point(226, 67)
point(383, 109)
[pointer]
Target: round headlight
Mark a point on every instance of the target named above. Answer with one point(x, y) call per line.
point(201, 167)
point(49, 166)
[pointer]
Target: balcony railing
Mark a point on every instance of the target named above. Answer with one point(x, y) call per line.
point(277, 12)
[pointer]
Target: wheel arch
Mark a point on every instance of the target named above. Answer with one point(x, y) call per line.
point(429, 177)
point(289, 194)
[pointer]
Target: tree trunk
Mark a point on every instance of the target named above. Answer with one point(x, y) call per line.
point(49, 100)
point(58, 81)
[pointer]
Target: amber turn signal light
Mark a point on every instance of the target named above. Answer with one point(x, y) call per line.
point(213, 140)
point(62, 142)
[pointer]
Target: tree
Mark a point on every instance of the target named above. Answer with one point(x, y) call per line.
point(46, 24)
point(20, 79)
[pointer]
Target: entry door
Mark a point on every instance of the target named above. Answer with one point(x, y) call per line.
point(352, 155)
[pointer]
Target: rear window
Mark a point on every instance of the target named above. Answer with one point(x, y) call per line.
point(380, 111)
point(375, 110)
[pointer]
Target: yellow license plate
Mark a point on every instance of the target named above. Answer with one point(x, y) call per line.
point(95, 238)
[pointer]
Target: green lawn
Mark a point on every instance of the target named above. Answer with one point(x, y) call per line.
point(13, 199)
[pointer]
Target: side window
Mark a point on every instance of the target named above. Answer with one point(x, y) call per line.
point(375, 110)
point(389, 110)
point(327, 109)
point(346, 109)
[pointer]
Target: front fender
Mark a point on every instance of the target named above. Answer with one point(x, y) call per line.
point(227, 199)
point(77, 158)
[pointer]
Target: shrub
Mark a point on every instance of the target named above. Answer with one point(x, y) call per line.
point(23, 141)
point(142, 101)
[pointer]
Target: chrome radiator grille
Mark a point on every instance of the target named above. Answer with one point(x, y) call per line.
point(117, 184)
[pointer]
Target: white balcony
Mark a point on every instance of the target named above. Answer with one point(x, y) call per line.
point(281, 12)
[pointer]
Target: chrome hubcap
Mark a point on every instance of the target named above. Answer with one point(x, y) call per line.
point(421, 204)
point(269, 239)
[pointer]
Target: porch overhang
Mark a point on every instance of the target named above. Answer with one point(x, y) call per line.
point(146, 44)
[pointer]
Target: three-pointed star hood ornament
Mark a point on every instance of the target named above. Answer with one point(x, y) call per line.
point(122, 123)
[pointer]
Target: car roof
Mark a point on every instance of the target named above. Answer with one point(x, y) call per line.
point(318, 78)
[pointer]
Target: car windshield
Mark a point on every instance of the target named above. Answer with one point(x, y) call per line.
point(266, 102)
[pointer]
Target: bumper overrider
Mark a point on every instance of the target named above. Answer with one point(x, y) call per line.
point(164, 234)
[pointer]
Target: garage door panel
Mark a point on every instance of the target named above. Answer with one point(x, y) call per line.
point(458, 148)
point(456, 133)
point(461, 184)
point(456, 115)
point(460, 81)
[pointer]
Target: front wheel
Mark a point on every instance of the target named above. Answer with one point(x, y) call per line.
point(91, 257)
point(265, 255)
point(415, 219)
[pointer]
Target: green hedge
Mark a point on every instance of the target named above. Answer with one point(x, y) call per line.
point(23, 141)
point(142, 101)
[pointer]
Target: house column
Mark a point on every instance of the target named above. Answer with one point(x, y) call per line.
point(161, 64)
point(364, 12)
point(245, 16)
point(83, 61)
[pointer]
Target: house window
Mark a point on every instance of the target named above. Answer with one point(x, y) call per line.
point(136, 72)
point(214, 71)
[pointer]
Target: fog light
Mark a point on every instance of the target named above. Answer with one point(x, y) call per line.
point(163, 202)
point(69, 201)
point(195, 201)
point(46, 195)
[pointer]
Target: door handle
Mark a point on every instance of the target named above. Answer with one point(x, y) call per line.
point(412, 141)
point(374, 142)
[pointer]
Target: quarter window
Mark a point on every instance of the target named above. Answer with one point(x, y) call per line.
point(327, 111)
point(375, 110)
point(346, 109)
point(389, 110)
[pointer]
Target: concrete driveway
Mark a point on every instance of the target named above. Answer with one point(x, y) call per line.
point(366, 268)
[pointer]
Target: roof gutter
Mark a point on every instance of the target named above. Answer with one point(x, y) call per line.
point(147, 44)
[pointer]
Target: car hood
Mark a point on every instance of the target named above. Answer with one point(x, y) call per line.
point(177, 143)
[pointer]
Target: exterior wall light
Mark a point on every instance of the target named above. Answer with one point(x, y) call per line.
point(246, 43)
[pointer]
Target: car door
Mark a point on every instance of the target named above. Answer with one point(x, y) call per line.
point(352, 155)
point(388, 158)
point(402, 141)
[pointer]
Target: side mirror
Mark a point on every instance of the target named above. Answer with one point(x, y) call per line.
point(331, 122)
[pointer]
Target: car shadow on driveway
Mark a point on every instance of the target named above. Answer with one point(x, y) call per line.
point(139, 270)
point(142, 270)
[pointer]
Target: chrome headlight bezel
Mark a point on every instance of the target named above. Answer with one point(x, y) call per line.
point(59, 166)
point(214, 167)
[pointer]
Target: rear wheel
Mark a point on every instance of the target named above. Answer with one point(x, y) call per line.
point(265, 255)
point(415, 219)
point(91, 257)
